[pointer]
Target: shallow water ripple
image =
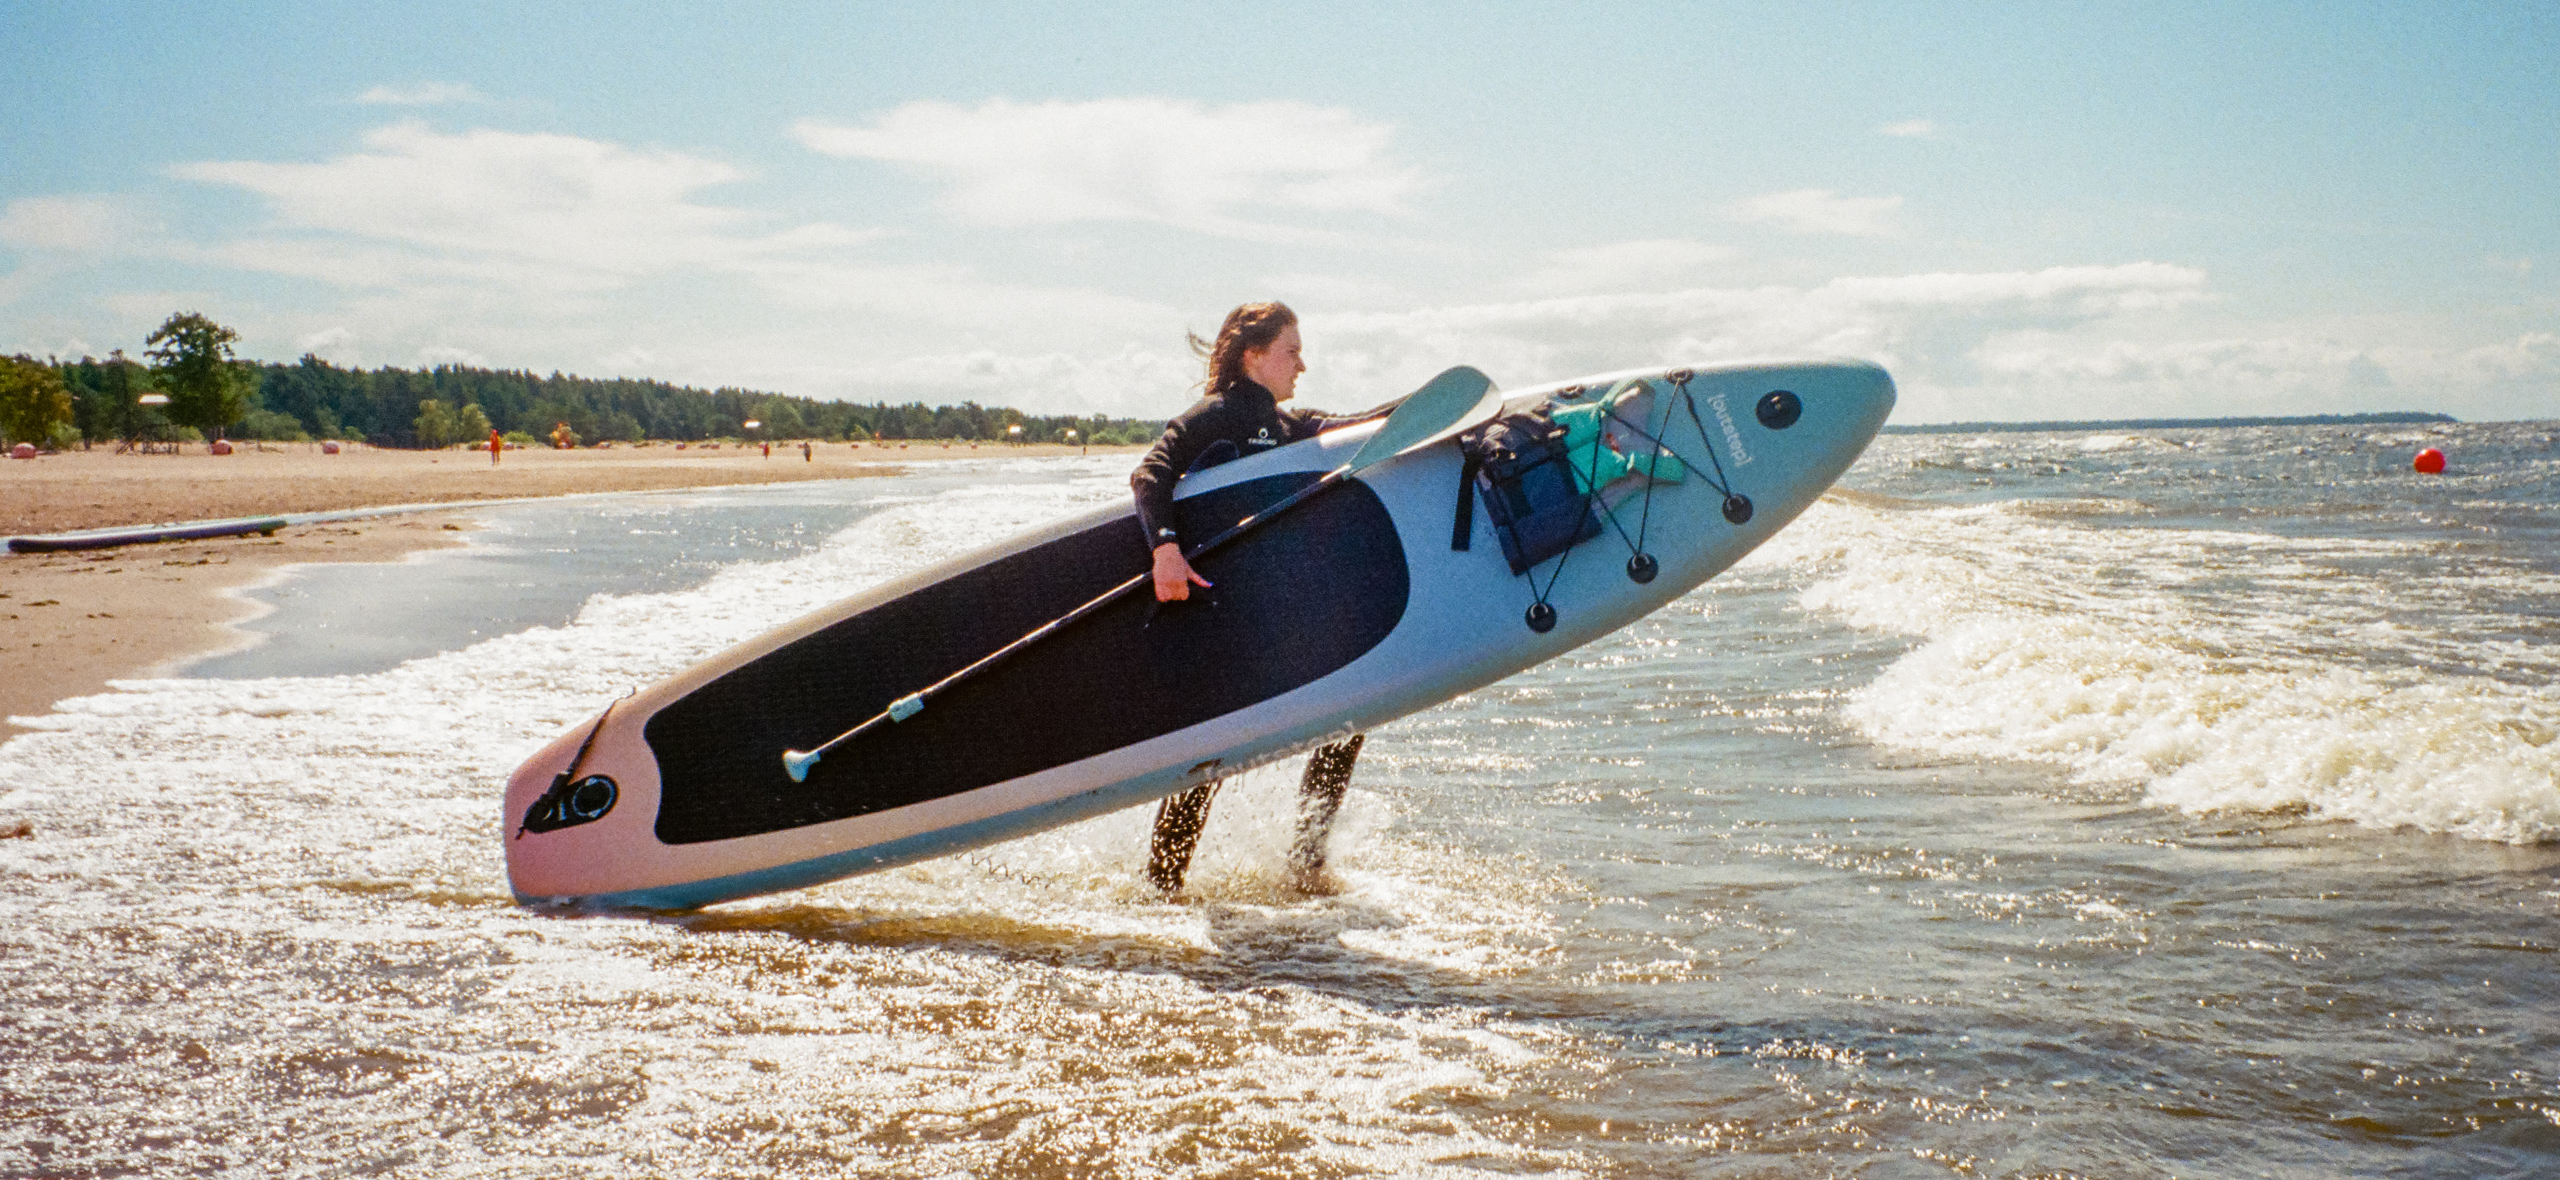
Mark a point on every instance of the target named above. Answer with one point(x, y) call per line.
point(2046, 805)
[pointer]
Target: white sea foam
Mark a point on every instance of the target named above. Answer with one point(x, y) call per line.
point(257, 860)
point(2215, 670)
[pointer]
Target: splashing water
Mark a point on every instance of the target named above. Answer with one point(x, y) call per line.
point(1985, 823)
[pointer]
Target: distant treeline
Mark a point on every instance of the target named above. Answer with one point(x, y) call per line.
point(316, 399)
point(2395, 418)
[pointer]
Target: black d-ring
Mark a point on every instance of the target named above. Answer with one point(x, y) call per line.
point(1737, 509)
point(1542, 618)
point(1778, 409)
point(1642, 567)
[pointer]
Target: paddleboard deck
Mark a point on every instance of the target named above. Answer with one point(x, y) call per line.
point(1338, 616)
point(109, 538)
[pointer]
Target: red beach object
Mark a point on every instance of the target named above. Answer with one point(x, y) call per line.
point(2429, 462)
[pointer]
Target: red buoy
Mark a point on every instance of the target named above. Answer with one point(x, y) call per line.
point(2429, 462)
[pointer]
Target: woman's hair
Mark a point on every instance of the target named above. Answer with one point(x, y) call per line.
point(1252, 326)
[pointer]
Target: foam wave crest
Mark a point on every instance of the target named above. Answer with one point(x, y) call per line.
point(2213, 670)
point(283, 903)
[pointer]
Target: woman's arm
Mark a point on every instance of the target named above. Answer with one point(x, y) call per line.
point(1175, 451)
point(1312, 423)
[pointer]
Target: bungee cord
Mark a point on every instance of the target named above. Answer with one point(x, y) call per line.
point(1641, 566)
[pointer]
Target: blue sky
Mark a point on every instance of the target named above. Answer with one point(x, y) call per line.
point(2025, 211)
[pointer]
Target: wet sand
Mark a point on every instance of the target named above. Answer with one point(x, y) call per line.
point(71, 622)
point(93, 489)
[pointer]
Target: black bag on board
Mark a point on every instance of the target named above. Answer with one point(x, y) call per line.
point(1537, 504)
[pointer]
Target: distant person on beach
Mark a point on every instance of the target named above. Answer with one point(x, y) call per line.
point(1253, 367)
point(497, 443)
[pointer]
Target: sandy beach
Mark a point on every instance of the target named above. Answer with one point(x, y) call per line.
point(71, 622)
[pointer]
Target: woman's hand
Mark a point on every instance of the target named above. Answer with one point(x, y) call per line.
point(1174, 576)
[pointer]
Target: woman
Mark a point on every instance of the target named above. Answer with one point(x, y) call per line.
point(1253, 367)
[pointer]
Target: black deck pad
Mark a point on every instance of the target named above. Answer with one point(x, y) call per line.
point(1295, 599)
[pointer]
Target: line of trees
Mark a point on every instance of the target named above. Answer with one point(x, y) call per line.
point(212, 393)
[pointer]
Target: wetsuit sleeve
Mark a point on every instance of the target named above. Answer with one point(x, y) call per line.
point(1310, 423)
point(1175, 451)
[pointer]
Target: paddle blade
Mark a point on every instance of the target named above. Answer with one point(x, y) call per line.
point(1458, 400)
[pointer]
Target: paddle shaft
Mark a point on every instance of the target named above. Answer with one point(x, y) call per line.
point(906, 706)
point(1456, 400)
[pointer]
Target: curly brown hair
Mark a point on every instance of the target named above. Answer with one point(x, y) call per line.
point(1252, 326)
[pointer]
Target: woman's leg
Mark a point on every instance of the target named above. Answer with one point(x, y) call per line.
point(1178, 822)
point(1328, 773)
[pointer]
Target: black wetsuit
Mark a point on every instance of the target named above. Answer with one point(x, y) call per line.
point(1243, 420)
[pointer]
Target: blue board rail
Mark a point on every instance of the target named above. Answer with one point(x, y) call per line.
point(145, 534)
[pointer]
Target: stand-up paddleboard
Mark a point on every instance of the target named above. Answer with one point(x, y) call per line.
point(109, 538)
point(1386, 594)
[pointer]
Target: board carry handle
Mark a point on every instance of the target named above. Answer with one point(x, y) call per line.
point(1455, 401)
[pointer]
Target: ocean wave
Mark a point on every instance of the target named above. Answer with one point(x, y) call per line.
point(2211, 670)
point(237, 848)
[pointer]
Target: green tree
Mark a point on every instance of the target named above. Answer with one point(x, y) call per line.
point(191, 357)
point(261, 422)
point(781, 419)
point(470, 424)
point(435, 424)
point(33, 400)
point(122, 383)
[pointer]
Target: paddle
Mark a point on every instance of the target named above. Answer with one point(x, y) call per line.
point(1454, 401)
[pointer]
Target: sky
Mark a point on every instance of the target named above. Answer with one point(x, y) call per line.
point(2024, 211)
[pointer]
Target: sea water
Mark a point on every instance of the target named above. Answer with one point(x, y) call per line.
point(2138, 804)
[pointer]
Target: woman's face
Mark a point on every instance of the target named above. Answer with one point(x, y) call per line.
point(1275, 366)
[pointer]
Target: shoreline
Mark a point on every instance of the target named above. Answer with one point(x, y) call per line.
point(98, 489)
point(70, 622)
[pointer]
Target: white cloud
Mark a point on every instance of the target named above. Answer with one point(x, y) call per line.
point(1206, 168)
point(553, 251)
point(2057, 359)
point(446, 354)
point(504, 206)
point(1910, 129)
point(1339, 291)
point(70, 224)
point(1131, 380)
point(1619, 266)
point(2533, 356)
point(2296, 370)
point(1927, 325)
point(329, 343)
point(2086, 290)
point(2291, 362)
point(422, 94)
point(1821, 211)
